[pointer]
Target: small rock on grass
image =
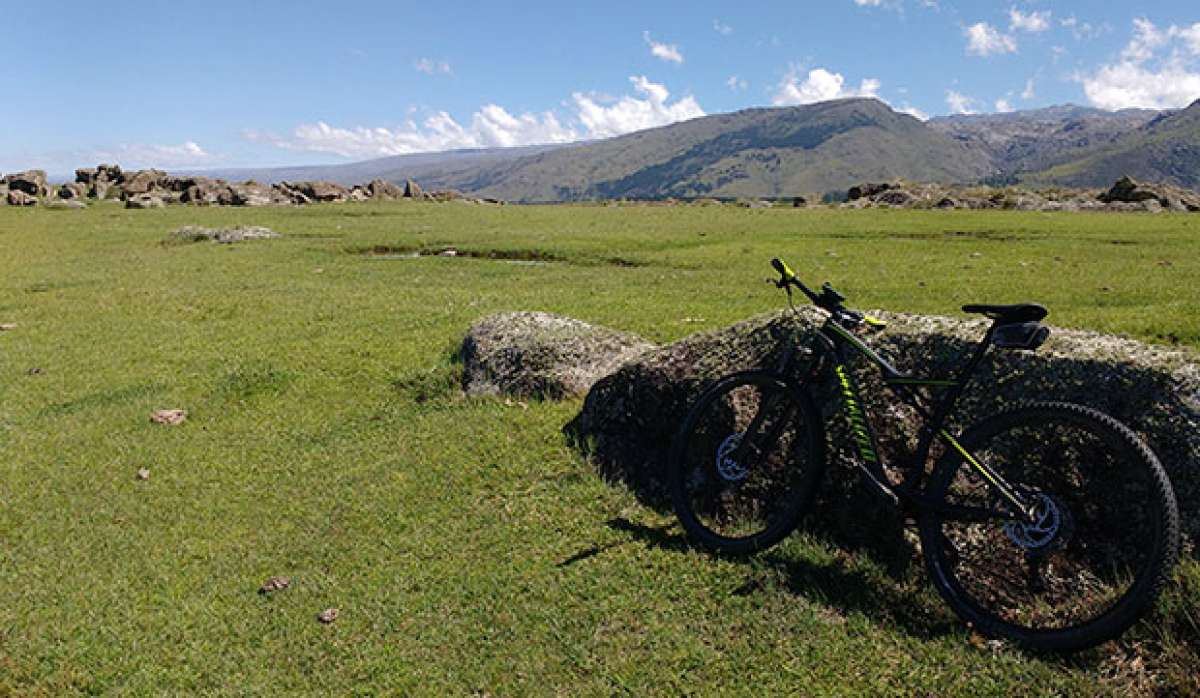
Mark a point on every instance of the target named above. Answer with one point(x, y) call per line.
point(169, 417)
point(143, 474)
point(7, 326)
point(276, 584)
point(328, 615)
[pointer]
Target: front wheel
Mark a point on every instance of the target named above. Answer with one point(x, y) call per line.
point(746, 462)
point(1101, 543)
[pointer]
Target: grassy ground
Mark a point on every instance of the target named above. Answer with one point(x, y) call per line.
point(467, 548)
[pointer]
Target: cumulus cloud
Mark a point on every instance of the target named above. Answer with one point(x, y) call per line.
point(960, 103)
point(431, 67)
point(1083, 30)
point(134, 155)
point(493, 126)
point(868, 3)
point(1031, 22)
point(913, 111)
point(667, 52)
point(633, 113)
point(819, 85)
point(722, 28)
point(985, 40)
point(1003, 106)
point(1158, 69)
point(736, 84)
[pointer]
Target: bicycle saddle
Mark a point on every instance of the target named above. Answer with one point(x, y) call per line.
point(1004, 314)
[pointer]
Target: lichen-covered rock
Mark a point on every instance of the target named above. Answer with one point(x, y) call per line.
point(144, 201)
point(531, 354)
point(629, 418)
point(226, 236)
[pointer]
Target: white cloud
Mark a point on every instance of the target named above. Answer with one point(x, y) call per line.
point(819, 85)
point(633, 114)
point(135, 155)
point(493, 126)
point(722, 28)
point(1032, 22)
point(868, 3)
point(1028, 93)
point(1003, 106)
point(1084, 30)
point(432, 67)
point(1157, 69)
point(985, 40)
point(913, 111)
point(667, 52)
point(960, 103)
point(736, 84)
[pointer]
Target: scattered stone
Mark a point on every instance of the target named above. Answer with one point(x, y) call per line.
point(541, 355)
point(169, 417)
point(196, 233)
point(35, 371)
point(448, 253)
point(144, 201)
point(328, 615)
point(279, 584)
point(327, 192)
point(7, 326)
point(799, 202)
point(143, 474)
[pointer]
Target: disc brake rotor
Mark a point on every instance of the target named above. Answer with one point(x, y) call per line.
point(1048, 521)
point(728, 468)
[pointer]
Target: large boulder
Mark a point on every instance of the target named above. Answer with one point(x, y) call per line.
point(866, 190)
point(144, 181)
point(32, 182)
point(541, 355)
point(1130, 191)
point(249, 193)
point(318, 191)
point(412, 190)
point(629, 418)
point(140, 201)
point(16, 197)
point(72, 190)
point(383, 189)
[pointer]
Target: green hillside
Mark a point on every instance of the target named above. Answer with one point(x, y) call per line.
point(756, 152)
point(1166, 149)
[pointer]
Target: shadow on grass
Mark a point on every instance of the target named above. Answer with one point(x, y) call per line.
point(883, 598)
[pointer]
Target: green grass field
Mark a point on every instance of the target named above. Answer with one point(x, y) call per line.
point(468, 549)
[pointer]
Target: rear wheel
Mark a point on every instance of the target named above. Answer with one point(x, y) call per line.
point(746, 462)
point(1092, 559)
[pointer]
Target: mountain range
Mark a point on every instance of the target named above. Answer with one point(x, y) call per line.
point(812, 149)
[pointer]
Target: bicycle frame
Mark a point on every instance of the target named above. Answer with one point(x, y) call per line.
point(835, 345)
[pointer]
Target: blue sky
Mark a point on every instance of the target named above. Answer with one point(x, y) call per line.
point(216, 84)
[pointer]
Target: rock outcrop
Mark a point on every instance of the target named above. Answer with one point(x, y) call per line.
point(1169, 197)
point(541, 355)
point(31, 182)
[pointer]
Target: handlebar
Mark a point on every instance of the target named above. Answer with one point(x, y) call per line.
point(829, 299)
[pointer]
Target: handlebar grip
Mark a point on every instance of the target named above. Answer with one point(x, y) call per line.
point(784, 270)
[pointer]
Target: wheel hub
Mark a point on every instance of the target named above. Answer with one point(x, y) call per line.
point(728, 468)
point(1043, 529)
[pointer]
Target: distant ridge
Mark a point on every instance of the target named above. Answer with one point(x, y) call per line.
point(805, 150)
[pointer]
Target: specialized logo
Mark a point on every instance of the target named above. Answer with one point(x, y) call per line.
point(858, 420)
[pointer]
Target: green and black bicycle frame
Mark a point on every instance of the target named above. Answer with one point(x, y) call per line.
point(833, 347)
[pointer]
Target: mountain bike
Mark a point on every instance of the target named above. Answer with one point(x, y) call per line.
point(1047, 523)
